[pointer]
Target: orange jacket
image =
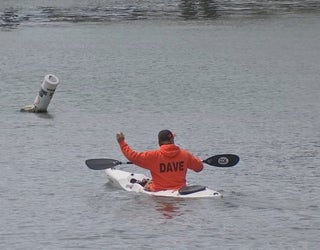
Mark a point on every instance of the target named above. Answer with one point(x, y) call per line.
point(168, 165)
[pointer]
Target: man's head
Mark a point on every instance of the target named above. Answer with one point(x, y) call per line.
point(165, 137)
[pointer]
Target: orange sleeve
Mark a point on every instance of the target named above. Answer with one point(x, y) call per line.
point(195, 163)
point(141, 159)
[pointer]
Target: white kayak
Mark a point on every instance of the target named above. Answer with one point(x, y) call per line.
point(130, 182)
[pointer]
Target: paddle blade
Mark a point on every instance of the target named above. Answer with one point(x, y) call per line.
point(100, 164)
point(225, 160)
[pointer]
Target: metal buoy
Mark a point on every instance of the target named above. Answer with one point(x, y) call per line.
point(42, 100)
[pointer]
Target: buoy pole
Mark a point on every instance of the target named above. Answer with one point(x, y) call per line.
point(45, 94)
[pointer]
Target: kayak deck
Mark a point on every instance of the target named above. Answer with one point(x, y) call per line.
point(130, 182)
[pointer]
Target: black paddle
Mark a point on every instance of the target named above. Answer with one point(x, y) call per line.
point(224, 161)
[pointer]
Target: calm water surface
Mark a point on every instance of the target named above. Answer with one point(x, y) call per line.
point(245, 85)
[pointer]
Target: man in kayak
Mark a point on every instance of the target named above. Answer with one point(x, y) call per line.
point(168, 165)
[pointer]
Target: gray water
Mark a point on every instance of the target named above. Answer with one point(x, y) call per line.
point(29, 12)
point(237, 83)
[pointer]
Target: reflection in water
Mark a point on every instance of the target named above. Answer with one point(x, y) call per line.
point(44, 115)
point(209, 8)
point(168, 210)
point(122, 10)
point(9, 19)
point(191, 9)
point(169, 207)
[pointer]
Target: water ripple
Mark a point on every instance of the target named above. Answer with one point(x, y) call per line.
point(13, 14)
